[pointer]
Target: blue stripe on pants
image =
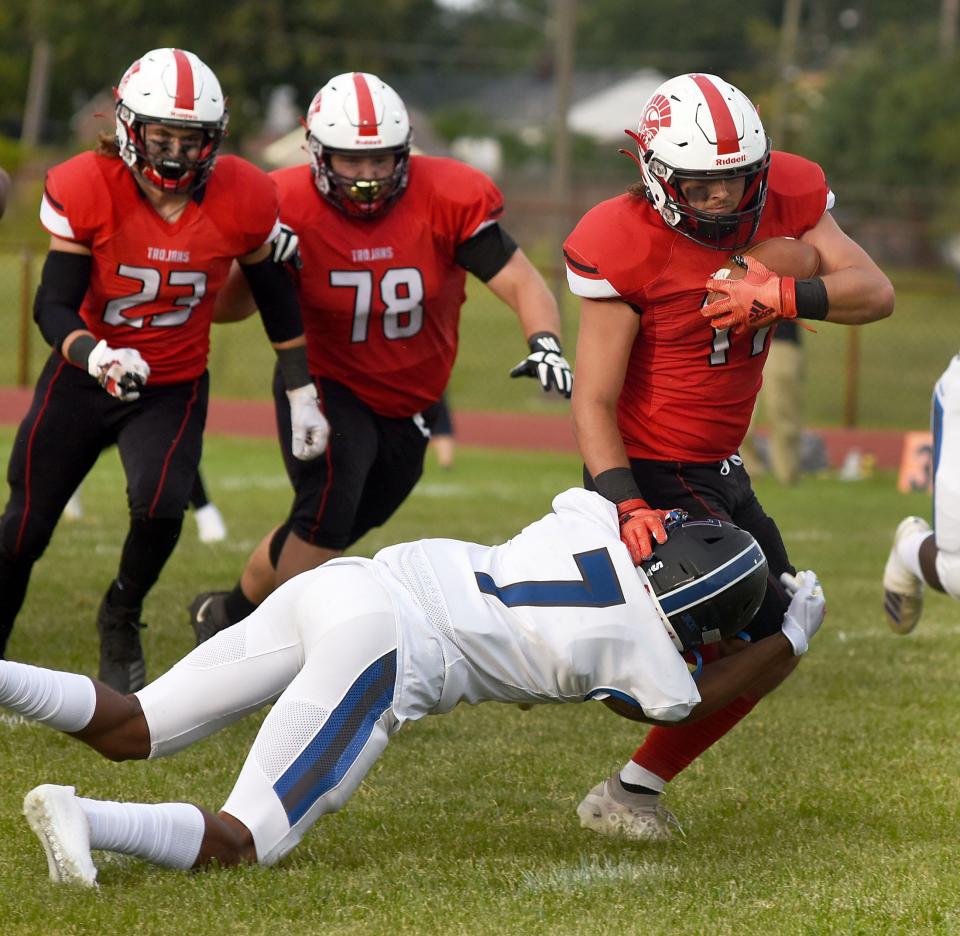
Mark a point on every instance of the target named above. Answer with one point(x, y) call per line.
point(324, 762)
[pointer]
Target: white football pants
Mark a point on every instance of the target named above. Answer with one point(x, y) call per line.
point(946, 476)
point(324, 646)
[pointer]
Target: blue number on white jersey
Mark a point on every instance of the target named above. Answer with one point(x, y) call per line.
point(598, 587)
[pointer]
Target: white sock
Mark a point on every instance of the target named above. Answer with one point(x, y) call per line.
point(168, 834)
point(65, 701)
point(636, 775)
point(908, 549)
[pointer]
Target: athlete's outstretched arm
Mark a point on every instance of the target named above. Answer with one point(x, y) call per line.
point(725, 679)
point(520, 285)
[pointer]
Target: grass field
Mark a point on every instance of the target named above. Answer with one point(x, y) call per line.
point(832, 809)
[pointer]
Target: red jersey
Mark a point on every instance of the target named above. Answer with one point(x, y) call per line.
point(381, 297)
point(690, 389)
point(153, 284)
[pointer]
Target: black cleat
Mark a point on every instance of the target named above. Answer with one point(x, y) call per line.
point(208, 614)
point(122, 666)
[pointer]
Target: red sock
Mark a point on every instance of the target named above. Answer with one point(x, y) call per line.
point(666, 751)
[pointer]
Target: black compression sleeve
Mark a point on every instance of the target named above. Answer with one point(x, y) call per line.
point(293, 367)
point(486, 253)
point(63, 284)
point(276, 298)
point(617, 485)
point(812, 299)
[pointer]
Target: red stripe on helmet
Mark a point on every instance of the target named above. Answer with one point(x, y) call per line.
point(366, 112)
point(727, 141)
point(185, 99)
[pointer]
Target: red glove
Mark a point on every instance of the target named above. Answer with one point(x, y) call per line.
point(638, 523)
point(755, 301)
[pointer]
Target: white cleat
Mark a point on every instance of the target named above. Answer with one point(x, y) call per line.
point(611, 810)
point(902, 590)
point(210, 525)
point(58, 821)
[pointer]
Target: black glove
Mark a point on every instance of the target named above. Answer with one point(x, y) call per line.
point(547, 363)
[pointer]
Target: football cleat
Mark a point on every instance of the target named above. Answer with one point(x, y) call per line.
point(902, 590)
point(208, 615)
point(611, 810)
point(210, 525)
point(122, 666)
point(58, 821)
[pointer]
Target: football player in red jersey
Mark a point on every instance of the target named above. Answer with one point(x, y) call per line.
point(385, 242)
point(143, 235)
point(666, 385)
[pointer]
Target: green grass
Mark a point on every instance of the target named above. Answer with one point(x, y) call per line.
point(899, 358)
point(832, 809)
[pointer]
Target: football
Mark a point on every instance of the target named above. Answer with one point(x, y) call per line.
point(784, 255)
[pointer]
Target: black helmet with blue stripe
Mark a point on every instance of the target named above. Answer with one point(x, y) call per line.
point(708, 579)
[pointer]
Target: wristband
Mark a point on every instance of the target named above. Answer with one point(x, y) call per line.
point(617, 485)
point(534, 341)
point(812, 300)
point(79, 351)
point(293, 367)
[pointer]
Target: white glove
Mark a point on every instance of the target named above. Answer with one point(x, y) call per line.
point(120, 371)
point(806, 611)
point(310, 427)
point(286, 247)
point(547, 363)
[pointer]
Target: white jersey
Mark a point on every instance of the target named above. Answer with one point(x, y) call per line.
point(556, 614)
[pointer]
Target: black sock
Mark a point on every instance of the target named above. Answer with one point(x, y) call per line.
point(637, 788)
point(238, 605)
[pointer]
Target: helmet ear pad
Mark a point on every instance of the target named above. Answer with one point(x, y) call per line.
point(709, 579)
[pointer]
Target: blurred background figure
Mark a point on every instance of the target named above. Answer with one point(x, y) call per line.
point(780, 406)
point(211, 527)
point(439, 420)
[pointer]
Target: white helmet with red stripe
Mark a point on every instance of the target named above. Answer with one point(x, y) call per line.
point(174, 88)
point(357, 113)
point(702, 127)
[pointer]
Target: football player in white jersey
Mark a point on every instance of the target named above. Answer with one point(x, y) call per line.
point(921, 555)
point(351, 650)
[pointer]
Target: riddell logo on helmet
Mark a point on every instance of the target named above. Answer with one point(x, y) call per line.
point(375, 141)
point(731, 160)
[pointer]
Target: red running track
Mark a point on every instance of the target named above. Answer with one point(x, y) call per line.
point(547, 432)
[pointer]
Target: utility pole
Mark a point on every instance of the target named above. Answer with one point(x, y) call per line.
point(565, 28)
point(789, 31)
point(948, 28)
point(34, 112)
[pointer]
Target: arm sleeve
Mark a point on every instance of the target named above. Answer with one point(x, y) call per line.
point(63, 284)
point(276, 298)
point(487, 252)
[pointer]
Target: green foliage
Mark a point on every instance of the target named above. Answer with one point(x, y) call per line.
point(11, 154)
point(796, 822)
point(888, 137)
